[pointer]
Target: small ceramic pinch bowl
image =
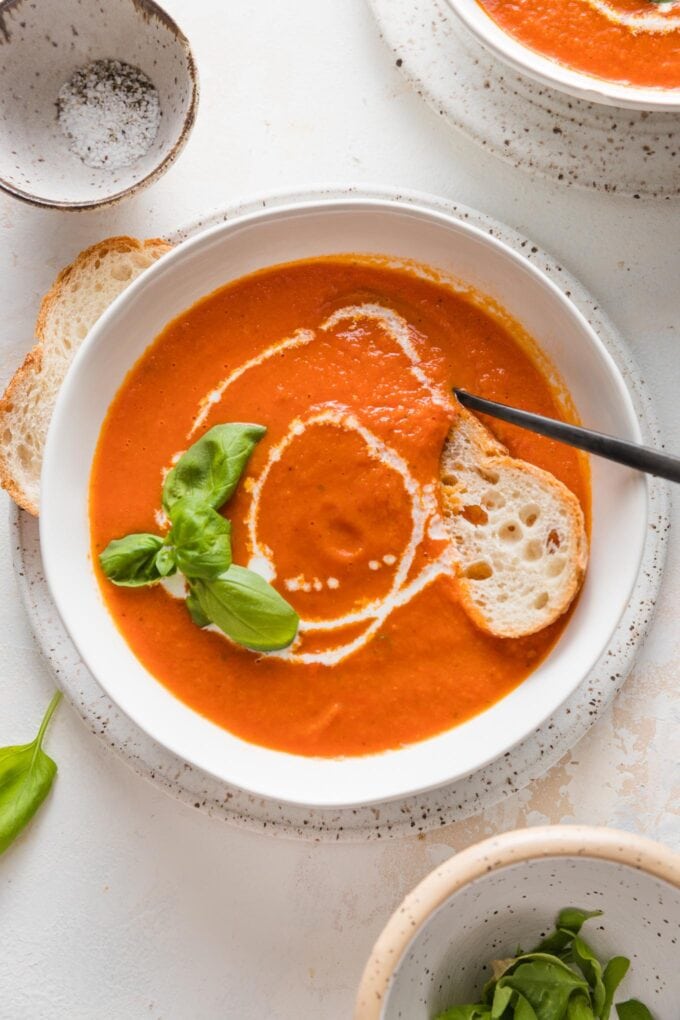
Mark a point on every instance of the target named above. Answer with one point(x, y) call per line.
point(41, 45)
point(507, 891)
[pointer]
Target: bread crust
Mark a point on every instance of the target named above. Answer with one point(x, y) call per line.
point(31, 365)
point(33, 362)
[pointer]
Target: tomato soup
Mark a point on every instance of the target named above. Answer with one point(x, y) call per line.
point(349, 363)
point(634, 42)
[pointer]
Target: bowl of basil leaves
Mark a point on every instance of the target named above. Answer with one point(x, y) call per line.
point(550, 923)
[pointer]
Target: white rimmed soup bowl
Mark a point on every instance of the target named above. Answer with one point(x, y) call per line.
point(482, 903)
point(552, 73)
point(286, 233)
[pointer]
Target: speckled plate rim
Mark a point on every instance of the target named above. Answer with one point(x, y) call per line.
point(529, 126)
point(418, 814)
point(152, 8)
point(474, 862)
point(556, 75)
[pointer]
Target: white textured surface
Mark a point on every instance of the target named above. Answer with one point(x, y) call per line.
point(121, 902)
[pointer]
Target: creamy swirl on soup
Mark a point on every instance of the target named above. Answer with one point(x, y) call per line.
point(349, 363)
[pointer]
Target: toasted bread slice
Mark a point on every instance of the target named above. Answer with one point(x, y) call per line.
point(519, 533)
point(79, 295)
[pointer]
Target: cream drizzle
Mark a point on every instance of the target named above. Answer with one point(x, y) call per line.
point(299, 338)
point(399, 330)
point(394, 325)
point(652, 22)
point(424, 510)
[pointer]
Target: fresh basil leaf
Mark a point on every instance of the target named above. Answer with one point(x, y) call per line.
point(165, 560)
point(131, 561)
point(592, 971)
point(614, 973)
point(543, 958)
point(523, 1009)
point(478, 1012)
point(501, 1000)
point(573, 918)
point(633, 1010)
point(248, 609)
point(569, 923)
point(201, 539)
point(195, 611)
point(543, 986)
point(209, 471)
point(546, 983)
point(26, 777)
point(580, 1008)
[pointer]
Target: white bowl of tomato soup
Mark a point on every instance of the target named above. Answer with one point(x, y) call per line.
point(623, 53)
point(388, 688)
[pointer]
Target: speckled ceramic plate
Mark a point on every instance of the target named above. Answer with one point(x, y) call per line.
point(467, 797)
point(541, 130)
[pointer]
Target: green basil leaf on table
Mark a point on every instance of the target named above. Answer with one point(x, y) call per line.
point(210, 470)
point(131, 561)
point(633, 1010)
point(247, 609)
point(614, 973)
point(195, 611)
point(26, 777)
point(201, 539)
point(166, 563)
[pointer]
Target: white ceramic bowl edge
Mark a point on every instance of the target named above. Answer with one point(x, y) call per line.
point(556, 75)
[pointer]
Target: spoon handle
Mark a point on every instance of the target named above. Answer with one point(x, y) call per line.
point(642, 458)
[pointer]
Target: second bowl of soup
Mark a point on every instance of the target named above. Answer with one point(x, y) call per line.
point(618, 52)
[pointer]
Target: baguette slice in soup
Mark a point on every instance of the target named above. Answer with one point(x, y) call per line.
point(519, 533)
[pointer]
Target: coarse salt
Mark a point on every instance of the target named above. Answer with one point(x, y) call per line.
point(109, 112)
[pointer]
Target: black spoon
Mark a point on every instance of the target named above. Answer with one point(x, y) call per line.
point(642, 458)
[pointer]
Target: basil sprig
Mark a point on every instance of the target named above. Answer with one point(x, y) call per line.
point(198, 545)
point(562, 979)
point(26, 777)
point(200, 538)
